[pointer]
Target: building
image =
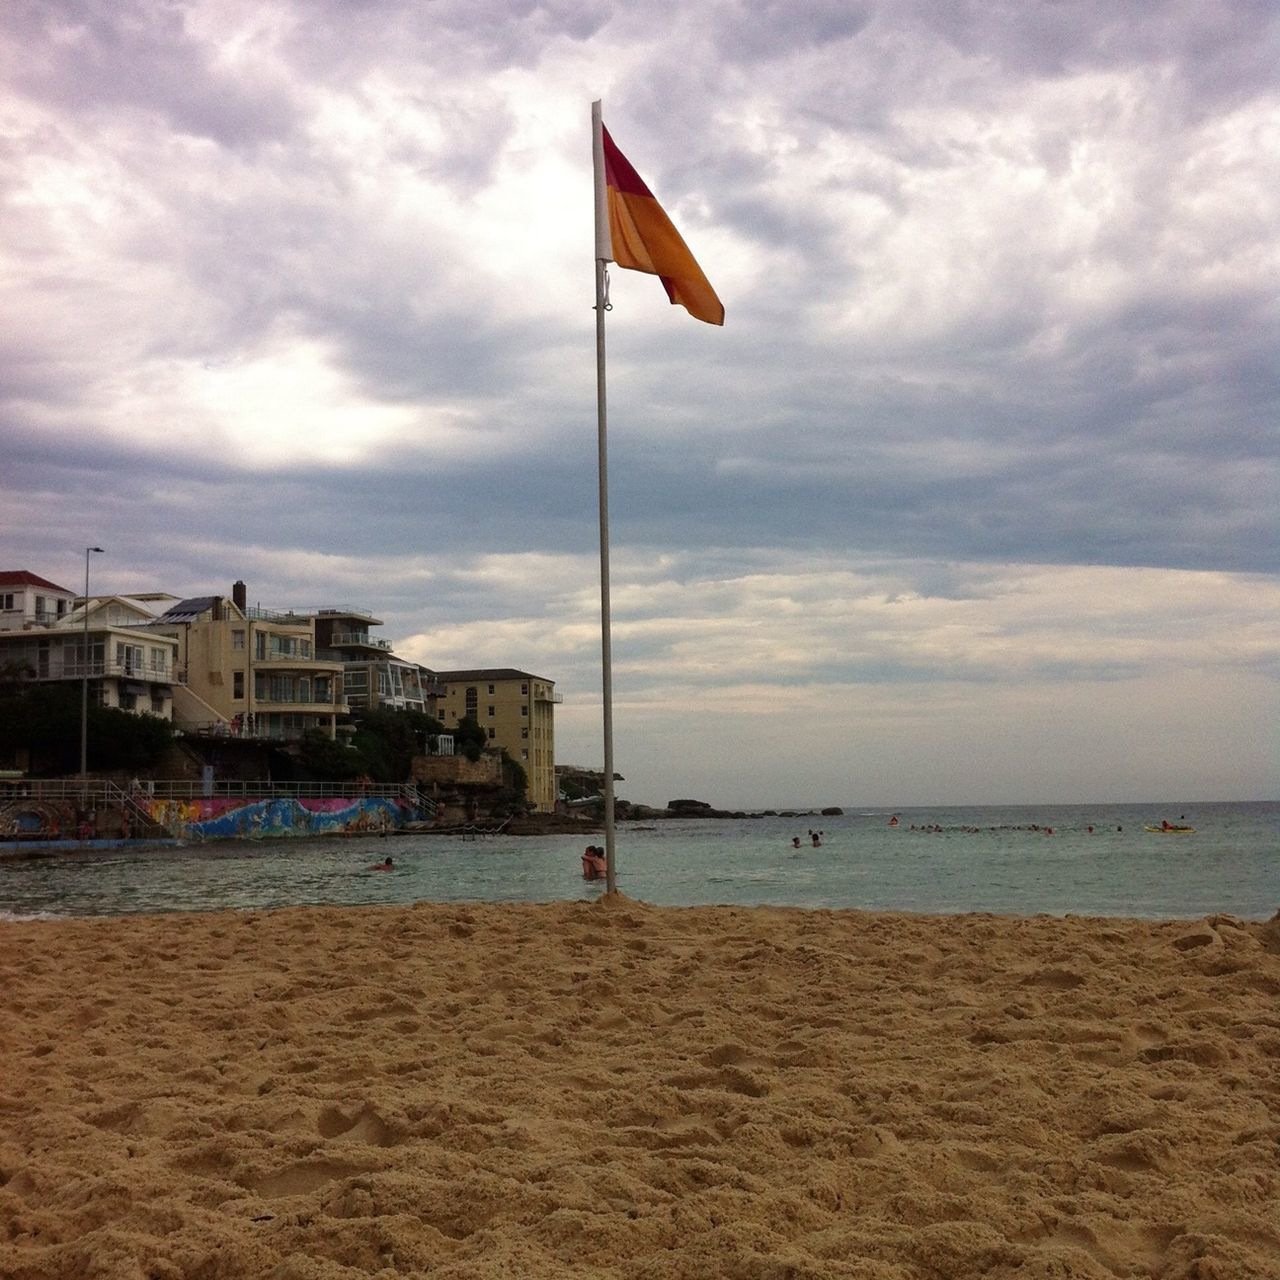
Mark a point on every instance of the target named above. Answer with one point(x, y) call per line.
point(249, 671)
point(44, 630)
point(372, 675)
point(27, 600)
point(517, 711)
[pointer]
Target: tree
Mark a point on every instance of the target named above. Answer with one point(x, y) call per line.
point(324, 759)
point(470, 738)
point(514, 778)
point(387, 740)
point(44, 720)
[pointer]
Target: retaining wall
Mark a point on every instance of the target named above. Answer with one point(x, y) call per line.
point(224, 817)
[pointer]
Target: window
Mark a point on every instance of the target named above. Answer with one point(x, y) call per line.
point(524, 710)
point(6, 600)
point(472, 701)
point(237, 684)
point(304, 648)
point(157, 705)
point(260, 645)
point(40, 610)
point(237, 639)
point(524, 753)
point(129, 656)
point(491, 690)
point(493, 733)
point(524, 733)
point(128, 702)
point(490, 713)
point(524, 689)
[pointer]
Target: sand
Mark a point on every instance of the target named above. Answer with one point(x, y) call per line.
point(608, 1089)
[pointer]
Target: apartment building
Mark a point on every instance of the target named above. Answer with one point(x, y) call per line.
point(517, 711)
point(47, 633)
point(250, 671)
point(372, 675)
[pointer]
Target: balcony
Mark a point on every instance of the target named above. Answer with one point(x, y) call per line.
point(354, 639)
point(112, 668)
point(282, 662)
point(337, 702)
point(555, 698)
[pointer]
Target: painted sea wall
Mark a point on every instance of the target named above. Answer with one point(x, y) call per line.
point(227, 817)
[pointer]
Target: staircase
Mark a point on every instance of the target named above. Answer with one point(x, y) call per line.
point(414, 795)
point(139, 816)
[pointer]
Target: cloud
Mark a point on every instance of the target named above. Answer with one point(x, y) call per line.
point(305, 297)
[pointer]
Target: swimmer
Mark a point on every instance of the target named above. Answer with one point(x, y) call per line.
point(385, 865)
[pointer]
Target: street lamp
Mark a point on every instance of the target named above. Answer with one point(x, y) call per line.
point(84, 673)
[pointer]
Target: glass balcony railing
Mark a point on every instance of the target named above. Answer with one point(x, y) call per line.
point(111, 668)
point(349, 639)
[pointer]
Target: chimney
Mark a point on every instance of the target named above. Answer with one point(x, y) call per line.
point(240, 596)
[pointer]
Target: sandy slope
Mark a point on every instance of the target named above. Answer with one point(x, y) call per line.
point(615, 1090)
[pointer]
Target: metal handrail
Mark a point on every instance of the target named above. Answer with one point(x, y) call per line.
point(99, 789)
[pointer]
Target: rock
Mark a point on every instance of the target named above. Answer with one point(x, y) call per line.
point(834, 811)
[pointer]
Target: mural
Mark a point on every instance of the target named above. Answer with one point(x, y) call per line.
point(223, 817)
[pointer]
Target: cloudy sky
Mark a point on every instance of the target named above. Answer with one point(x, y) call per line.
point(973, 498)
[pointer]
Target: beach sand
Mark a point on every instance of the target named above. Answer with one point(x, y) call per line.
point(609, 1089)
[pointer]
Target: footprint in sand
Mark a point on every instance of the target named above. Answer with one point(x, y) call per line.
point(365, 1125)
point(300, 1179)
point(1055, 979)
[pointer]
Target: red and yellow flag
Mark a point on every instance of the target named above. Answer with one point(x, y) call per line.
point(645, 239)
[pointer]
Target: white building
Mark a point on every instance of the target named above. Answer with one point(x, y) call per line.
point(44, 637)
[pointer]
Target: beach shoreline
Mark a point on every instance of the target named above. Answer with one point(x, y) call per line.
point(611, 1089)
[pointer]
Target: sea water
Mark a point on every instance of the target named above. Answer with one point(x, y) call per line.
point(934, 860)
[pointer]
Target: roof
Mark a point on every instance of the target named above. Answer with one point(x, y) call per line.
point(490, 673)
point(24, 578)
point(189, 610)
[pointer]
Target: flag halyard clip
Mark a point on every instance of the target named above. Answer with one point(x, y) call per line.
point(604, 297)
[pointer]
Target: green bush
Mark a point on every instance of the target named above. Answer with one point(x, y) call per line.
point(44, 720)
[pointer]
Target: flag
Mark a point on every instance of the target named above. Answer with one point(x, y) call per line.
point(643, 238)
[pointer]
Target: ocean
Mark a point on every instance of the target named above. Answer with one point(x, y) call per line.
point(936, 860)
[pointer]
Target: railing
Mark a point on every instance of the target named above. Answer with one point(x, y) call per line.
point(348, 638)
point(305, 614)
point(260, 729)
point(110, 667)
point(101, 790)
point(557, 698)
point(295, 700)
point(414, 794)
point(276, 615)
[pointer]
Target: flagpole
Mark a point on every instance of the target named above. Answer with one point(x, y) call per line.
point(603, 255)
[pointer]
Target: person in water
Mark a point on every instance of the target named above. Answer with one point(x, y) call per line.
point(385, 865)
point(795, 842)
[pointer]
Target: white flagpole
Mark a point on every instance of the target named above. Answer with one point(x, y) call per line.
point(604, 254)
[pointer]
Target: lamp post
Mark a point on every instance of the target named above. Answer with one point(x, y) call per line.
point(84, 673)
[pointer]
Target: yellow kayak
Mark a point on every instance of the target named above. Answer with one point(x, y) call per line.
point(1172, 831)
